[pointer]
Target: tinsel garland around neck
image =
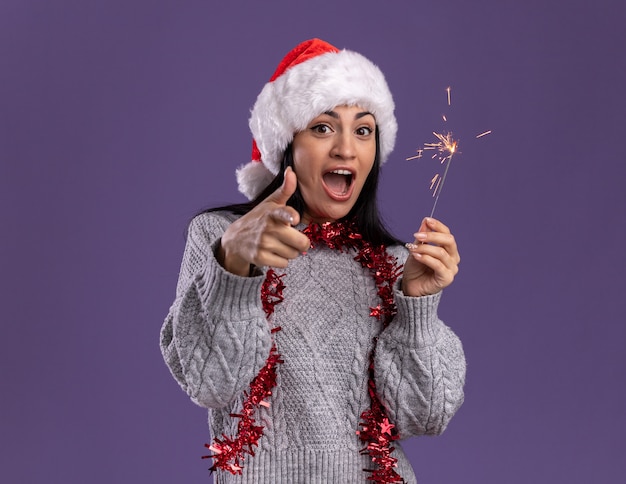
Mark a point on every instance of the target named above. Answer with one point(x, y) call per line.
point(376, 431)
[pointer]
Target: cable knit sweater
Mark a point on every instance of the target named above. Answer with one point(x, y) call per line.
point(216, 338)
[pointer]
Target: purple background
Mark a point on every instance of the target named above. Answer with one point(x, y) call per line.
point(119, 119)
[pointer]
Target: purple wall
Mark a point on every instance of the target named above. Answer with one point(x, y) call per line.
point(120, 118)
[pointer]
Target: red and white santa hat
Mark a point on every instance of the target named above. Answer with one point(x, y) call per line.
point(313, 78)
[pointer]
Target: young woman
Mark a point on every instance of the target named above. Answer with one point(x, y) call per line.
point(308, 331)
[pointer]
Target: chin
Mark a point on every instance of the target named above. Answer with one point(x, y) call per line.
point(331, 215)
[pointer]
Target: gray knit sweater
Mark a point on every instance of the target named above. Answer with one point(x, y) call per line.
point(216, 338)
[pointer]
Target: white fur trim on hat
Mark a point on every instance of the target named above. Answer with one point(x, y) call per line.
point(306, 90)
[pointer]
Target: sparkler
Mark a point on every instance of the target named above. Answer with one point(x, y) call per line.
point(444, 149)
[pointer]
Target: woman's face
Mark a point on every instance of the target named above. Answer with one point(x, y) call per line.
point(332, 159)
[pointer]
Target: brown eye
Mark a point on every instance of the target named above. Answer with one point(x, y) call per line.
point(321, 129)
point(364, 131)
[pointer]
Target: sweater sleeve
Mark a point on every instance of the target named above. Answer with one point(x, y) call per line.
point(419, 367)
point(215, 338)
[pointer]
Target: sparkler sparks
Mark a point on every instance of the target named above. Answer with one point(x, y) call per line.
point(444, 149)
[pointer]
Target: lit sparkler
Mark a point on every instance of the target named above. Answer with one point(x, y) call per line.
point(444, 149)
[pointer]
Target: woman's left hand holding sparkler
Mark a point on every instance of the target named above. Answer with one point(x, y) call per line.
point(433, 260)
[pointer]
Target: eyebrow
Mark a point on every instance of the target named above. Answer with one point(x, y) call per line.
point(335, 115)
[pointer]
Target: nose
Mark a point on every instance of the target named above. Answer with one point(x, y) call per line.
point(343, 147)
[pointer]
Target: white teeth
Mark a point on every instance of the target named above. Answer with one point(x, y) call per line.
point(342, 172)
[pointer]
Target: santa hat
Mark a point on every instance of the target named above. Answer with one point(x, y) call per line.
point(313, 78)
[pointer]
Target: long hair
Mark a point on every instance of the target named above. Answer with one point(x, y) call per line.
point(364, 212)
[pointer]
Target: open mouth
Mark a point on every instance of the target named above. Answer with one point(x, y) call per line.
point(338, 183)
